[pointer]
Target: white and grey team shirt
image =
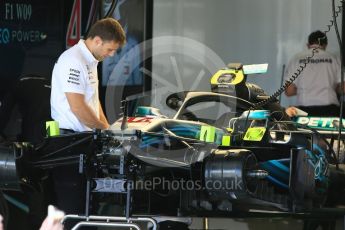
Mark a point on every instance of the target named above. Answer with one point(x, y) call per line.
point(74, 72)
point(317, 83)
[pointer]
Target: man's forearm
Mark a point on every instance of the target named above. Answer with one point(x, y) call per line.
point(87, 116)
point(85, 113)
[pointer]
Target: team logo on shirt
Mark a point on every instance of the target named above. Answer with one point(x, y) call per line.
point(73, 76)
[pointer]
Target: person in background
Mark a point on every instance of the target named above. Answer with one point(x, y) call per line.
point(317, 86)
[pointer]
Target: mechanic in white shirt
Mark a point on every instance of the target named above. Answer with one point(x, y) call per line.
point(317, 86)
point(74, 96)
point(75, 104)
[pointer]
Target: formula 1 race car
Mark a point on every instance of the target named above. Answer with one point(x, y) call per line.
point(232, 156)
point(223, 152)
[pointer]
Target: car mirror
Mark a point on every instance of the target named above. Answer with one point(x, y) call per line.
point(175, 100)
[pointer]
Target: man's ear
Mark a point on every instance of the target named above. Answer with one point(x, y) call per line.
point(98, 40)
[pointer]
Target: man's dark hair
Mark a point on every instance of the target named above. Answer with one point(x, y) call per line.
point(108, 29)
point(317, 37)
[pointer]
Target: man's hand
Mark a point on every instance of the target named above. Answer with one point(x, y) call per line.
point(291, 111)
point(291, 90)
point(53, 220)
point(84, 113)
point(339, 88)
